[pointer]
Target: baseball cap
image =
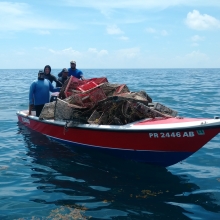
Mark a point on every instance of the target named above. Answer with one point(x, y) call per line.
point(65, 70)
point(73, 61)
point(41, 72)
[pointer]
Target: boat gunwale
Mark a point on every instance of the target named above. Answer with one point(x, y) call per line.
point(205, 124)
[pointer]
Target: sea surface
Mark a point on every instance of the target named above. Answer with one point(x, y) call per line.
point(41, 179)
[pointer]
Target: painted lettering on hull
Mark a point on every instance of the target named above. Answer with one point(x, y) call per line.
point(25, 120)
point(172, 134)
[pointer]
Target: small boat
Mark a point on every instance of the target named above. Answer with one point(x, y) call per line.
point(159, 141)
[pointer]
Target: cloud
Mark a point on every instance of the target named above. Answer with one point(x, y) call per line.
point(164, 33)
point(196, 38)
point(138, 4)
point(198, 21)
point(42, 32)
point(20, 53)
point(13, 9)
point(194, 44)
point(98, 53)
point(194, 59)
point(114, 30)
point(151, 30)
point(197, 56)
point(68, 52)
point(129, 53)
point(19, 16)
point(154, 31)
point(39, 48)
point(124, 38)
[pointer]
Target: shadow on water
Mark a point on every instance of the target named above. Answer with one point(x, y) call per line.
point(105, 187)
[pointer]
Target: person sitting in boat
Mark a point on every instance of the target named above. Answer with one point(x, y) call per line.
point(75, 72)
point(50, 77)
point(39, 93)
point(63, 77)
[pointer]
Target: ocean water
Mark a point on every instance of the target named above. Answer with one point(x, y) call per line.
point(41, 179)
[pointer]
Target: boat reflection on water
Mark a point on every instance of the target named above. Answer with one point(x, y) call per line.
point(106, 187)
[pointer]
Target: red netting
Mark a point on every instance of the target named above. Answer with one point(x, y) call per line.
point(97, 95)
point(100, 80)
point(88, 98)
point(73, 83)
point(85, 85)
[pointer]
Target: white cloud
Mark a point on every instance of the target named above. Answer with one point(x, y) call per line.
point(138, 4)
point(13, 9)
point(158, 32)
point(164, 33)
point(20, 53)
point(113, 29)
point(98, 53)
point(124, 58)
point(68, 51)
point(151, 30)
point(197, 56)
point(42, 32)
point(92, 50)
point(193, 59)
point(124, 38)
point(19, 16)
point(194, 44)
point(39, 48)
point(198, 21)
point(129, 52)
point(103, 52)
point(197, 38)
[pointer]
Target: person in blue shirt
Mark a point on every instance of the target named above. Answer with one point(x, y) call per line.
point(39, 93)
point(75, 72)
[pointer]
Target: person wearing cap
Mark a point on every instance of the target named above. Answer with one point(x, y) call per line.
point(39, 93)
point(51, 77)
point(63, 76)
point(75, 72)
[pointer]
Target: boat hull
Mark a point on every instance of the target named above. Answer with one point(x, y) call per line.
point(154, 142)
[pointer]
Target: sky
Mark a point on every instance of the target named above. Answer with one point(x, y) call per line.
point(110, 34)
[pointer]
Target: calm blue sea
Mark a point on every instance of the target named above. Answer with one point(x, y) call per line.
point(40, 179)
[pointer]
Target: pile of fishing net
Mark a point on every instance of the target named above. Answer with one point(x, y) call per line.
point(96, 101)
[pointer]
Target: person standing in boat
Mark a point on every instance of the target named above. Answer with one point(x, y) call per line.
point(50, 77)
point(39, 93)
point(75, 72)
point(63, 76)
